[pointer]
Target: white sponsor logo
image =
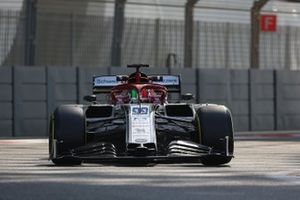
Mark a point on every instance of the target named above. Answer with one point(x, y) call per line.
point(140, 110)
point(140, 140)
point(106, 81)
point(169, 80)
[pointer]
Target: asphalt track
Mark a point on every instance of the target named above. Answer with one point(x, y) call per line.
point(265, 167)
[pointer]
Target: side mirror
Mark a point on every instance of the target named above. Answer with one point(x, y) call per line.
point(122, 78)
point(90, 98)
point(187, 96)
point(156, 78)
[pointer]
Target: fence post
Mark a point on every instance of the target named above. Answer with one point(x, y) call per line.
point(288, 48)
point(197, 41)
point(156, 42)
point(30, 32)
point(116, 49)
point(255, 31)
point(188, 32)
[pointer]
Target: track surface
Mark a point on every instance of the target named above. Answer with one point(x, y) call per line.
point(262, 169)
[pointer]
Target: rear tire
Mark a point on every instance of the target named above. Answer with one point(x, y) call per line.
point(215, 123)
point(67, 127)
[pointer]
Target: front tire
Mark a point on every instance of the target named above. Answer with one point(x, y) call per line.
point(215, 123)
point(67, 130)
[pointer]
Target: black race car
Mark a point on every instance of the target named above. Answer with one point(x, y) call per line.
point(139, 125)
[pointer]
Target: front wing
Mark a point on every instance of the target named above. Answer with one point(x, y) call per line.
point(178, 152)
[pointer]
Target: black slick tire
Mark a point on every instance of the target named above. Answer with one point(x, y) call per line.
point(215, 123)
point(67, 127)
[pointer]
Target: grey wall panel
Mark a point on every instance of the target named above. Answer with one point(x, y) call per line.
point(5, 92)
point(291, 91)
point(33, 92)
point(240, 92)
point(239, 86)
point(6, 128)
point(264, 107)
point(264, 122)
point(213, 92)
point(213, 86)
point(35, 127)
point(88, 72)
point(287, 101)
point(240, 122)
point(279, 107)
point(188, 76)
point(227, 87)
point(239, 76)
point(66, 92)
point(240, 108)
point(6, 111)
point(265, 91)
point(290, 122)
point(6, 97)
point(289, 77)
point(17, 101)
point(34, 110)
point(262, 99)
point(5, 75)
point(63, 74)
point(29, 99)
point(263, 76)
point(214, 76)
point(291, 107)
point(32, 74)
point(239, 98)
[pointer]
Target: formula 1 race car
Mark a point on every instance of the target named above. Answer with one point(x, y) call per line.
point(139, 125)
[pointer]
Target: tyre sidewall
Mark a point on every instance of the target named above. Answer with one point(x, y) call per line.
point(67, 126)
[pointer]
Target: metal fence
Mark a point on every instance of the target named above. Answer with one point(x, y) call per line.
point(12, 37)
point(81, 40)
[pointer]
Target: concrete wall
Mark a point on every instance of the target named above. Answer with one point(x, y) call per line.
point(258, 99)
point(262, 100)
point(6, 102)
point(228, 87)
point(288, 99)
point(29, 101)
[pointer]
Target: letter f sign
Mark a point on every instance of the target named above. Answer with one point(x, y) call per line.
point(268, 23)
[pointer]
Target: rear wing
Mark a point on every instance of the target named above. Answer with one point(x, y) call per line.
point(104, 84)
point(171, 82)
